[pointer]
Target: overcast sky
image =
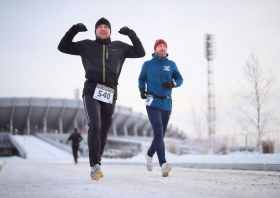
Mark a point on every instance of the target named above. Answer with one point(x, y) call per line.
point(31, 65)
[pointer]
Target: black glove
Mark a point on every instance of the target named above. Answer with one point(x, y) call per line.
point(168, 85)
point(80, 27)
point(126, 31)
point(143, 93)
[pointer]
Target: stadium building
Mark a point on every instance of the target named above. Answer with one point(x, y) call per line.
point(52, 119)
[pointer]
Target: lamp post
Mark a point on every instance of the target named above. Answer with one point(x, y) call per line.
point(211, 117)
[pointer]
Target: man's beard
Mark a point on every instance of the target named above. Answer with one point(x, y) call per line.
point(161, 55)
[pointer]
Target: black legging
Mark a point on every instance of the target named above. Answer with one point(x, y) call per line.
point(100, 117)
point(75, 152)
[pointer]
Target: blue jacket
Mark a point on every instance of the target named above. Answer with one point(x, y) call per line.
point(153, 73)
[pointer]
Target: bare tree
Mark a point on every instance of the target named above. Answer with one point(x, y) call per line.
point(252, 100)
point(196, 123)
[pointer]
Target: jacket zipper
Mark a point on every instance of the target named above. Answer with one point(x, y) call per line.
point(160, 67)
point(106, 52)
point(103, 62)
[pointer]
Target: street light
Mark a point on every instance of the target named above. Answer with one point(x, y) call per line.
point(209, 47)
point(211, 117)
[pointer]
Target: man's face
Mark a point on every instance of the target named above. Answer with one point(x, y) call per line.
point(161, 50)
point(103, 31)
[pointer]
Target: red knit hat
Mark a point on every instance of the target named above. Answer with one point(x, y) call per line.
point(158, 42)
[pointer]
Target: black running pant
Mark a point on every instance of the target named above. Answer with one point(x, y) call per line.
point(75, 152)
point(100, 117)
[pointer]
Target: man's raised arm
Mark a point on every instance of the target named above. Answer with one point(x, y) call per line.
point(137, 50)
point(66, 45)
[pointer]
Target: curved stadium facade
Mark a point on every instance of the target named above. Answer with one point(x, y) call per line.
point(27, 116)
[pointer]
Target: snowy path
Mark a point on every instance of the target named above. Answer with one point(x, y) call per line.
point(38, 149)
point(24, 178)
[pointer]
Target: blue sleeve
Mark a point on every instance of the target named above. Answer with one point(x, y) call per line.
point(177, 77)
point(142, 77)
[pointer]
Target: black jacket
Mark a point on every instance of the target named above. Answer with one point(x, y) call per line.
point(102, 59)
point(76, 138)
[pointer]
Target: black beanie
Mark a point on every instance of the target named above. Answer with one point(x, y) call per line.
point(103, 21)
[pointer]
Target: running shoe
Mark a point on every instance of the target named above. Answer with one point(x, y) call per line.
point(149, 162)
point(165, 169)
point(96, 173)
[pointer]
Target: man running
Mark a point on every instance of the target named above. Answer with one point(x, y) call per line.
point(76, 138)
point(102, 60)
point(160, 75)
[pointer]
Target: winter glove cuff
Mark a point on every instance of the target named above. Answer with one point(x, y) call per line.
point(131, 33)
point(73, 29)
point(143, 93)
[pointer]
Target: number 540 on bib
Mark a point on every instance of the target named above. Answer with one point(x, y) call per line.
point(104, 94)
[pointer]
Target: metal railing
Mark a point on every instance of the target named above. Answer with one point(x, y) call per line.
point(248, 141)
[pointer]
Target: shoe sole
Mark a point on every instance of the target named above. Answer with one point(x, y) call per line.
point(149, 169)
point(97, 176)
point(166, 171)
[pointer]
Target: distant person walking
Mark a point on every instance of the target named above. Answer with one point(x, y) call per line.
point(76, 138)
point(160, 76)
point(102, 60)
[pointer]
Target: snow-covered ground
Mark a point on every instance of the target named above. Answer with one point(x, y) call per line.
point(233, 157)
point(28, 178)
point(50, 172)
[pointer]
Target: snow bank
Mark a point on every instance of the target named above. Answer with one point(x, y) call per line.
point(233, 157)
point(40, 150)
point(37, 149)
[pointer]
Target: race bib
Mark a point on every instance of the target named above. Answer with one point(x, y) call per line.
point(149, 100)
point(103, 93)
